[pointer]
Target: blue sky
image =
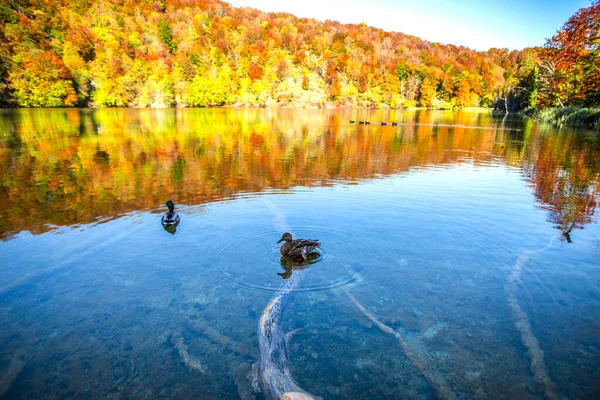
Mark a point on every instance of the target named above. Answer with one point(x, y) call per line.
point(477, 24)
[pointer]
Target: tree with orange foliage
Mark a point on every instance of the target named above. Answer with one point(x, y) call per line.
point(169, 52)
point(571, 68)
point(42, 80)
point(255, 72)
point(463, 94)
point(427, 92)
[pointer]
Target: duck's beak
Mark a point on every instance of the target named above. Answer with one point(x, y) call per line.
point(280, 240)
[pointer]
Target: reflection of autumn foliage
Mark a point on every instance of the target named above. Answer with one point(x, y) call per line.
point(62, 167)
point(565, 175)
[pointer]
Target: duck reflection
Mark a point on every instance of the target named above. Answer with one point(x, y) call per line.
point(170, 228)
point(290, 265)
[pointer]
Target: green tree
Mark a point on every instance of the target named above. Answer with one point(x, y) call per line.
point(535, 86)
point(166, 35)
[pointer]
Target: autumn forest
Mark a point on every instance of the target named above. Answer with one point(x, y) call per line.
point(202, 53)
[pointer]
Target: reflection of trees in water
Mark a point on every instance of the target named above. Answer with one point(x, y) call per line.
point(63, 167)
point(564, 170)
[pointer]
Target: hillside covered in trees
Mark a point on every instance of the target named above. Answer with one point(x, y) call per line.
point(117, 53)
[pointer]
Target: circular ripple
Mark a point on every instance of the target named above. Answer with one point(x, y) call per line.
point(250, 261)
point(256, 271)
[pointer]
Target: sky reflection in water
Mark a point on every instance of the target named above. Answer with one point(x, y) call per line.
point(422, 222)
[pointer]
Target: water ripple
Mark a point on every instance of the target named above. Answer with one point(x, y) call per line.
point(331, 269)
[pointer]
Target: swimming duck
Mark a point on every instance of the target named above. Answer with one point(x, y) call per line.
point(170, 218)
point(297, 249)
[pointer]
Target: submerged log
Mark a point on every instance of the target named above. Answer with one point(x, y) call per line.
point(15, 367)
point(440, 387)
point(274, 376)
point(523, 325)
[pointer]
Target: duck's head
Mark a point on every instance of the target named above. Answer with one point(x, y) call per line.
point(286, 237)
point(170, 206)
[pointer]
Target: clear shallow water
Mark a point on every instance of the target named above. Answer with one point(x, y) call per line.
point(423, 223)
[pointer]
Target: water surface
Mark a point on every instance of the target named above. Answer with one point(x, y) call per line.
point(424, 223)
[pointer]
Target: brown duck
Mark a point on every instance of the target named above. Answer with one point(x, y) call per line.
point(296, 249)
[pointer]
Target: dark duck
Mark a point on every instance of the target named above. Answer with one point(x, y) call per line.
point(171, 218)
point(297, 249)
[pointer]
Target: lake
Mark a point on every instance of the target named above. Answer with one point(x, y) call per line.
point(443, 270)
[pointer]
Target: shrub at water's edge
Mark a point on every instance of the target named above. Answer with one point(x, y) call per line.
point(572, 116)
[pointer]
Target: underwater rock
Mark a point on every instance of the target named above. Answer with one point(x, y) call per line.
point(433, 330)
point(188, 360)
point(242, 381)
point(201, 326)
point(332, 390)
point(318, 297)
point(417, 313)
point(201, 300)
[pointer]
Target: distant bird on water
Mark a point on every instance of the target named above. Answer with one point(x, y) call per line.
point(297, 249)
point(170, 218)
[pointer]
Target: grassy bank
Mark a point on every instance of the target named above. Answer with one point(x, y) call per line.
point(571, 116)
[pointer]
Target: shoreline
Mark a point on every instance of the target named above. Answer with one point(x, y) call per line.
point(284, 107)
point(576, 117)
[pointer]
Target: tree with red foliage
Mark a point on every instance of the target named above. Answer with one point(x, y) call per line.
point(169, 52)
point(255, 72)
point(571, 68)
